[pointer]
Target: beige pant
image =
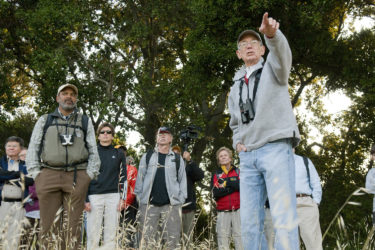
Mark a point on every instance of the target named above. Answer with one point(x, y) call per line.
point(308, 221)
point(188, 225)
point(228, 224)
point(55, 190)
point(103, 207)
point(159, 226)
point(12, 216)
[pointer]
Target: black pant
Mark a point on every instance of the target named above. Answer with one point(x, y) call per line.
point(128, 223)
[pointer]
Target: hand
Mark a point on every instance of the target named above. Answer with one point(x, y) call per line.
point(186, 156)
point(87, 207)
point(240, 147)
point(121, 205)
point(269, 26)
point(373, 157)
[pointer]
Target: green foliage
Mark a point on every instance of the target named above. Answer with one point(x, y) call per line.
point(20, 125)
point(143, 64)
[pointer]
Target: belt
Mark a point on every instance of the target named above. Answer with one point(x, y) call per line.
point(303, 195)
point(185, 211)
point(11, 200)
point(229, 210)
point(287, 140)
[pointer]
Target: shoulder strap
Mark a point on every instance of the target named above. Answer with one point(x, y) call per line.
point(256, 82)
point(85, 122)
point(148, 157)
point(48, 123)
point(177, 160)
point(306, 161)
point(258, 74)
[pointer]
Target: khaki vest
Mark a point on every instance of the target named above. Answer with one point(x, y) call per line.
point(55, 155)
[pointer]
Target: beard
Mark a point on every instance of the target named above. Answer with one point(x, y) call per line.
point(67, 106)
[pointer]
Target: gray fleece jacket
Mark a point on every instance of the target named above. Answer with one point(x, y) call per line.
point(176, 186)
point(274, 117)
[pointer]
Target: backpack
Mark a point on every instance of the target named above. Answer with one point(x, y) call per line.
point(177, 160)
point(49, 121)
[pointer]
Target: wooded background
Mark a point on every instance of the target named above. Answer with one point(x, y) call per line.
point(140, 64)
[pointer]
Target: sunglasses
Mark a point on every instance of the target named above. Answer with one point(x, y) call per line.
point(109, 132)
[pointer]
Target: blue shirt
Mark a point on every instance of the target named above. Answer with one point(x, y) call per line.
point(302, 181)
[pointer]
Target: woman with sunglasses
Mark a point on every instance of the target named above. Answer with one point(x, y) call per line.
point(104, 200)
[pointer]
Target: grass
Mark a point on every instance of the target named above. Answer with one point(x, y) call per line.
point(349, 237)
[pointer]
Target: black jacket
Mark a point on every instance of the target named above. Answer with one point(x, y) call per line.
point(193, 174)
point(112, 171)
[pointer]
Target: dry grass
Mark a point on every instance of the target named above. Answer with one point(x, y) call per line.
point(348, 237)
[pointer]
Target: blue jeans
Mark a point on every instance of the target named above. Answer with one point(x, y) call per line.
point(268, 170)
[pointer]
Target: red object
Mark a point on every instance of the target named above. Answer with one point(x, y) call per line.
point(230, 201)
point(132, 177)
point(246, 80)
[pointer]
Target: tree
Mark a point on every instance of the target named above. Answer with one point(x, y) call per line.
point(143, 64)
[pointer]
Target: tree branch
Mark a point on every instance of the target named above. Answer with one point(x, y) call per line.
point(316, 144)
point(304, 83)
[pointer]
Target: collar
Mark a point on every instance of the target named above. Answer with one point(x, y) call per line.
point(57, 113)
point(63, 116)
point(105, 147)
point(250, 70)
point(242, 71)
point(11, 161)
point(224, 168)
point(170, 152)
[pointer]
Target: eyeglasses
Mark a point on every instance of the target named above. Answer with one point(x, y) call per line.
point(109, 132)
point(245, 44)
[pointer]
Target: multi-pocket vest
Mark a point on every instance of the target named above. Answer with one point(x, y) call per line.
point(67, 157)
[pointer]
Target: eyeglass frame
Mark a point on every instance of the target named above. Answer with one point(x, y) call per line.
point(253, 43)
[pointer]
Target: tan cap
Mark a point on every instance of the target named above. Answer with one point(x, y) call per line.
point(68, 85)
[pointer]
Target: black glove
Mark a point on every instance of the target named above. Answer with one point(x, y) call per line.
point(233, 182)
point(29, 181)
point(15, 174)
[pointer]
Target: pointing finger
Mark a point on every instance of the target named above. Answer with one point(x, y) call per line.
point(265, 18)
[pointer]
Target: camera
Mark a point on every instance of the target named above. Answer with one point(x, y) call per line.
point(247, 111)
point(66, 140)
point(189, 134)
point(221, 181)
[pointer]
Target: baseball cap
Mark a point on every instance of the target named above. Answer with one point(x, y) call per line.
point(162, 130)
point(249, 33)
point(68, 85)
